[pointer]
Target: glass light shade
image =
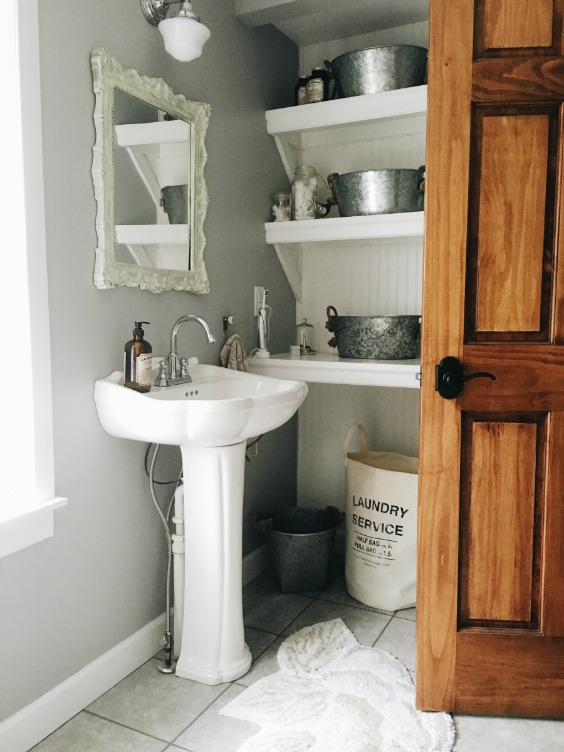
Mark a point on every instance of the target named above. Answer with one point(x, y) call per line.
point(184, 38)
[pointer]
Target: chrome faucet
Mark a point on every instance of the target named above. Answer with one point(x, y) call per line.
point(177, 372)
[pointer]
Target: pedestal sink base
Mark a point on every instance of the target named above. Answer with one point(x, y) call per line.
point(210, 419)
point(190, 670)
point(213, 648)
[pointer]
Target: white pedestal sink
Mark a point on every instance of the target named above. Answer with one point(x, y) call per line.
point(211, 420)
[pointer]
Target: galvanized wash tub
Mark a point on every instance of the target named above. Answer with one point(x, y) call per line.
point(377, 191)
point(377, 69)
point(375, 337)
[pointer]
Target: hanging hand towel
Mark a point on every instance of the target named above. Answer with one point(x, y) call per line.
point(233, 354)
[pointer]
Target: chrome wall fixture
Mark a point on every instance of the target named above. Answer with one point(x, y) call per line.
point(184, 35)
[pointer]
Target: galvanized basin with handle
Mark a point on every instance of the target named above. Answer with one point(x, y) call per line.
point(375, 337)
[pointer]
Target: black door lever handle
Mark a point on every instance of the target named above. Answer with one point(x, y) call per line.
point(450, 378)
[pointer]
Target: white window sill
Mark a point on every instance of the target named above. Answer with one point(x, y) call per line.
point(29, 527)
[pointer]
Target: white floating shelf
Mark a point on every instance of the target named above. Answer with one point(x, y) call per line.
point(152, 234)
point(348, 111)
point(346, 228)
point(326, 368)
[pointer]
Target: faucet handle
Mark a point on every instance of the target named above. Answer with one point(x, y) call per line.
point(161, 379)
point(183, 368)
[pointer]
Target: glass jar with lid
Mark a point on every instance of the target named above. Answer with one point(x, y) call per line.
point(304, 192)
point(306, 337)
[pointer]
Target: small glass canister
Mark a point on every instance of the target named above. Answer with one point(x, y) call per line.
point(306, 337)
point(304, 192)
point(282, 207)
point(315, 90)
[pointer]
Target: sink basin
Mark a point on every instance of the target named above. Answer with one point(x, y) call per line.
point(219, 407)
point(211, 419)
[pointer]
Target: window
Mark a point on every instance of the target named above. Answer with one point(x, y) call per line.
point(27, 499)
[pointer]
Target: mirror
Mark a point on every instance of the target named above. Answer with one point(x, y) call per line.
point(148, 175)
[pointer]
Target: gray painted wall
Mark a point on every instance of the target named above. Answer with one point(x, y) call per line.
point(69, 599)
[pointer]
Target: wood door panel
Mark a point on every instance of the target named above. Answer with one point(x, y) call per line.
point(502, 25)
point(498, 521)
point(500, 670)
point(512, 195)
point(512, 233)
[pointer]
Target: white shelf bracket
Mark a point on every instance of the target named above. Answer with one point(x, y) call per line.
point(289, 256)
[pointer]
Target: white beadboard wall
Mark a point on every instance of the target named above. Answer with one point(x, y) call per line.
point(381, 144)
point(357, 281)
point(360, 281)
point(382, 278)
point(391, 419)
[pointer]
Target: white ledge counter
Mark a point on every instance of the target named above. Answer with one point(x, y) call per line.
point(326, 368)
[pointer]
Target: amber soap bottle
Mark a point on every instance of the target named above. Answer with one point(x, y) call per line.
point(138, 360)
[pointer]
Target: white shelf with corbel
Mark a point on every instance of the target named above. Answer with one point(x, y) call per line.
point(376, 131)
point(291, 239)
point(366, 132)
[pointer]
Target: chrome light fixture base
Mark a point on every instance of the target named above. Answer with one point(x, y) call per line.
point(154, 10)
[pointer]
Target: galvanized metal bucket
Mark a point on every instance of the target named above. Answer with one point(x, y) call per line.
point(374, 337)
point(377, 69)
point(367, 192)
point(300, 540)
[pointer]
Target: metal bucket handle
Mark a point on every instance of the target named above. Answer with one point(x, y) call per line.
point(328, 325)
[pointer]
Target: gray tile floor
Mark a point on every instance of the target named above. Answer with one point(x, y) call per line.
point(150, 712)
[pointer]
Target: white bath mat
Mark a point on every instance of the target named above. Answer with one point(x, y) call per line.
point(334, 695)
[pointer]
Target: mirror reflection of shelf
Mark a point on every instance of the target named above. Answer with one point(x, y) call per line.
point(159, 152)
point(147, 244)
point(151, 234)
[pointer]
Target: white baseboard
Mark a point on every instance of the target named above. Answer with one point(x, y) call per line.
point(33, 723)
point(255, 563)
point(29, 726)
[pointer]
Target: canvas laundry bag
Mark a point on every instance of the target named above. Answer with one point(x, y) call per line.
point(381, 525)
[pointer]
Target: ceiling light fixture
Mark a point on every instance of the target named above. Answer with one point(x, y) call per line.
point(184, 35)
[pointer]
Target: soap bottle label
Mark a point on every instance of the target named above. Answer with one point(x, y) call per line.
point(144, 369)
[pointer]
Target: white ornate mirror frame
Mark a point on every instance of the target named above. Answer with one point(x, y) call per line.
point(109, 75)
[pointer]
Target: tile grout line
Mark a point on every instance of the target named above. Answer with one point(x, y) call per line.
point(122, 725)
point(383, 631)
point(201, 713)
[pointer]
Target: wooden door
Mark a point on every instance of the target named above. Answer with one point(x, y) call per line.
point(490, 602)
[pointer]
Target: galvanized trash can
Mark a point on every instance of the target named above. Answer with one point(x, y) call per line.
point(300, 540)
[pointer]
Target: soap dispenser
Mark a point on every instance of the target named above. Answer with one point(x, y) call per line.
point(138, 361)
